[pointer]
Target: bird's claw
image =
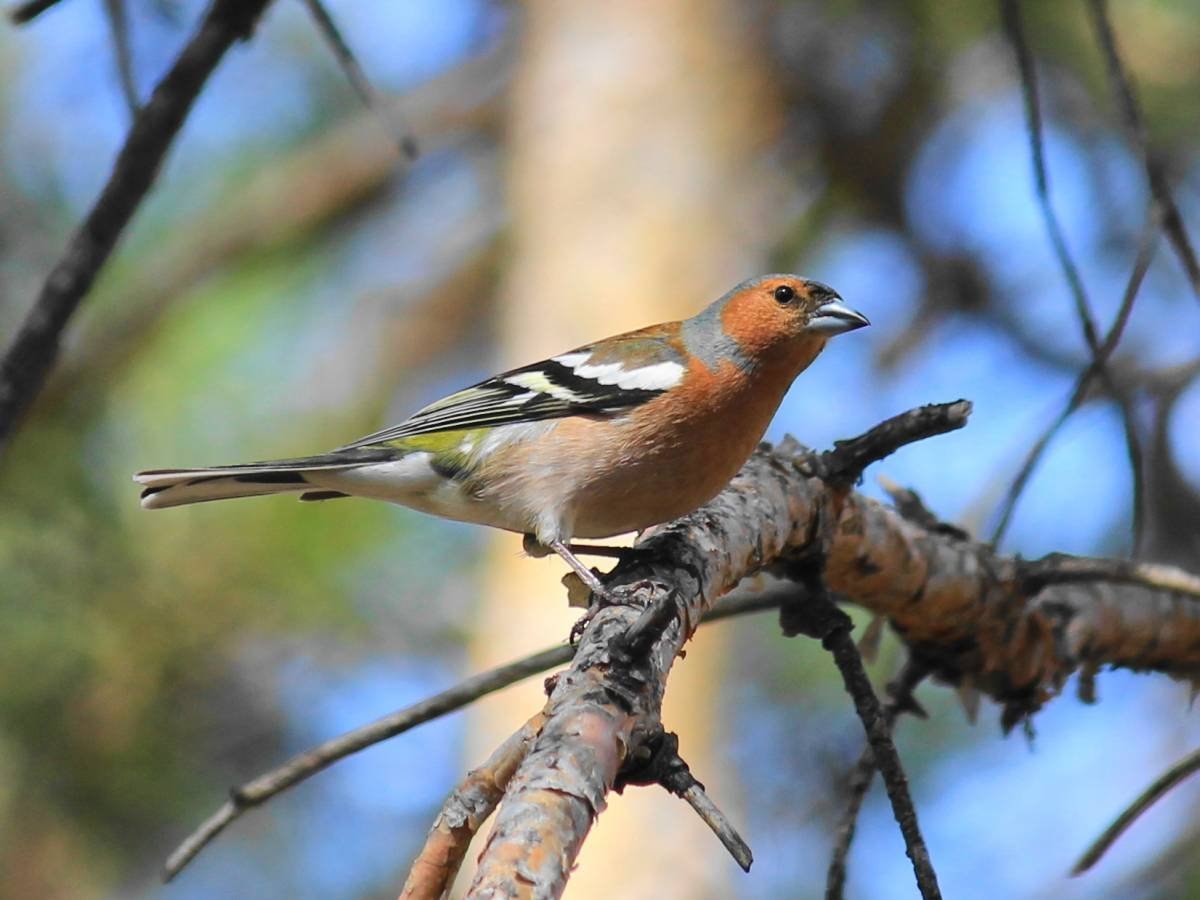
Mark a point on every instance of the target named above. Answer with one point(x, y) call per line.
point(600, 600)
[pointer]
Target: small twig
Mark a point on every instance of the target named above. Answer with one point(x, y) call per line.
point(899, 700)
point(712, 816)
point(844, 464)
point(118, 24)
point(1189, 765)
point(311, 761)
point(1061, 568)
point(663, 765)
point(26, 12)
point(358, 79)
point(840, 643)
point(816, 616)
point(32, 353)
point(465, 810)
point(1135, 124)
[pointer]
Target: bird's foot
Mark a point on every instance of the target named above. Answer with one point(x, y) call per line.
point(599, 594)
point(601, 599)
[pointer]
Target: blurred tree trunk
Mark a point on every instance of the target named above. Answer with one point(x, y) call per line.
point(635, 136)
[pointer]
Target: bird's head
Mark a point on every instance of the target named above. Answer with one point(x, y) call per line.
point(784, 314)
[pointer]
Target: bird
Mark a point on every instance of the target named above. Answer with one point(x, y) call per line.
point(612, 437)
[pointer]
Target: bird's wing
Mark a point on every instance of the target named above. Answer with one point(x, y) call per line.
point(598, 379)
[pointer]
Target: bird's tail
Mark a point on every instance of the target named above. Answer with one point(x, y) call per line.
point(163, 488)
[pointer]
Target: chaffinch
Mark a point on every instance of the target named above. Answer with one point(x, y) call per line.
point(608, 438)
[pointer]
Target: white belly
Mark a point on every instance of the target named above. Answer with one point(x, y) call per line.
point(413, 482)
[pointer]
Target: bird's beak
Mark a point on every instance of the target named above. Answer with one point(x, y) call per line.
point(835, 317)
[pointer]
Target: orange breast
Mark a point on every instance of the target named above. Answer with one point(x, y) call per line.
point(608, 476)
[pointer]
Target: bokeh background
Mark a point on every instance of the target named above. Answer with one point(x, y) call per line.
point(294, 283)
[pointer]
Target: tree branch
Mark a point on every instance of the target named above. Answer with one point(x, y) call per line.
point(467, 807)
point(32, 353)
point(845, 463)
point(1097, 368)
point(1061, 568)
point(1010, 14)
point(959, 605)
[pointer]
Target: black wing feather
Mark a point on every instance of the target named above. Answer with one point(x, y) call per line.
point(495, 402)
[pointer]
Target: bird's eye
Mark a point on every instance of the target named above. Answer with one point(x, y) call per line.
point(785, 294)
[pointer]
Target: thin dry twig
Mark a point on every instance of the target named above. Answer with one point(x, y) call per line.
point(1135, 124)
point(657, 759)
point(815, 615)
point(1186, 767)
point(845, 654)
point(711, 815)
point(358, 79)
point(33, 352)
point(899, 700)
point(844, 464)
point(465, 810)
point(118, 24)
point(658, 762)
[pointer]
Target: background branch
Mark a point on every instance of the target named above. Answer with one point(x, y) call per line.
point(1100, 351)
point(1162, 785)
point(358, 79)
point(1135, 125)
point(1096, 369)
point(118, 25)
point(26, 12)
point(34, 349)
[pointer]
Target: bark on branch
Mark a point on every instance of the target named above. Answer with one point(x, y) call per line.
point(467, 807)
point(971, 616)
